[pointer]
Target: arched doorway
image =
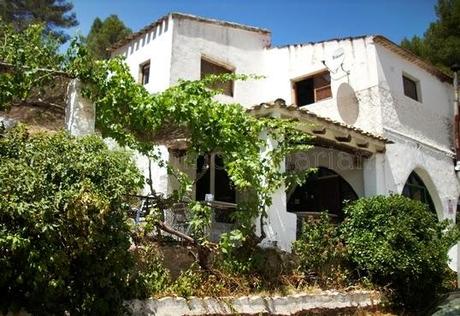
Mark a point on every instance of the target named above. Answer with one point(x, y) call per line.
point(416, 189)
point(325, 190)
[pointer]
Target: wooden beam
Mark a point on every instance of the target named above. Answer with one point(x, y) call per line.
point(362, 143)
point(343, 139)
point(319, 130)
point(345, 147)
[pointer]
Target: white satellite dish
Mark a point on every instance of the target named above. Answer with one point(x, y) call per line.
point(347, 103)
point(335, 61)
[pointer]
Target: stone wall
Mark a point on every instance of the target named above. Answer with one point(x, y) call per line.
point(255, 305)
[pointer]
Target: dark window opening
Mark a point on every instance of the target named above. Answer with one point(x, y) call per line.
point(313, 89)
point(145, 73)
point(210, 68)
point(415, 189)
point(323, 191)
point(410, 88)
point(203, 185)
point(224, 190)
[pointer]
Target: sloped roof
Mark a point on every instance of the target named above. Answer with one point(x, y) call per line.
point(307, 114)
point(326, 131)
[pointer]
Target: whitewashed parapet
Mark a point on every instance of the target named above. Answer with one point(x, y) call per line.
point(254, 305)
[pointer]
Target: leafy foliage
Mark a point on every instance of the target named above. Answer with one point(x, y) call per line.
point(398, 242)
point(321, 252)
point(187, 283)
point(126, 112)
point(132, 116)
point(29, 54)
point(441, 42)
point(149, 276)
point(64, 238)
point(54, 14)
point(103, 34)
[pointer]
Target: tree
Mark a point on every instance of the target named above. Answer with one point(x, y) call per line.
point(55, 14)
point(39, 53)
point(104, 34)
point(440, 44)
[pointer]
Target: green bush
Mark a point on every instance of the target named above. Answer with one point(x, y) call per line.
point(398, 242)
point(64, 237)
point(187, 283)
point(149, 274)
point(320, 252)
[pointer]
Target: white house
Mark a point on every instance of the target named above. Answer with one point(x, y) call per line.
point(381, 116)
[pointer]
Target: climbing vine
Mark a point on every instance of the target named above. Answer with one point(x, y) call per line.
point(126, 112)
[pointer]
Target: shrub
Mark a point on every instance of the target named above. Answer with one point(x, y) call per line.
point(64, 237)
point(188, 283)
point(149, 275)
point(398, 242)
point(320, 252)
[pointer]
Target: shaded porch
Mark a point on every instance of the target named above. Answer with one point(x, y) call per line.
point(348, 161)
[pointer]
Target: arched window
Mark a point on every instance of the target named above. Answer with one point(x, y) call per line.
point(415, 189)
point(323, 191)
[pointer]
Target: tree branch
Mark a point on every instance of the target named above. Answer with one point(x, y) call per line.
point(7, 67)
point(176, 233)
point(41, 104)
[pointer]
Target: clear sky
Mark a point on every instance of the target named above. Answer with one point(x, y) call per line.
point(291, 21)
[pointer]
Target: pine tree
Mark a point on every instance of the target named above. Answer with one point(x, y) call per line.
point(104, 34)
point(55, 14)
point(441, 42)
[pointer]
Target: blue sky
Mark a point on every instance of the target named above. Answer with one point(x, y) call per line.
point(291, 21)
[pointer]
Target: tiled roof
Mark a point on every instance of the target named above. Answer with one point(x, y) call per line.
point(281, 104)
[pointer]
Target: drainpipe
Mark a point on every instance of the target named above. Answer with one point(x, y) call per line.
point(455, 68)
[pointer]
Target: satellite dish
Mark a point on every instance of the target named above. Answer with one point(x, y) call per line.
point(347, 104)
point(335, 61)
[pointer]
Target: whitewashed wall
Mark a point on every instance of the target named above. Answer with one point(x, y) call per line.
point(240, 49)
point(155, 46)
point(428, 120)
point(342, 163)
point(287, 64)
point(421, 132)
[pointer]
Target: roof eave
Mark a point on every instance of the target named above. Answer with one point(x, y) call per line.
point(342, 135)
